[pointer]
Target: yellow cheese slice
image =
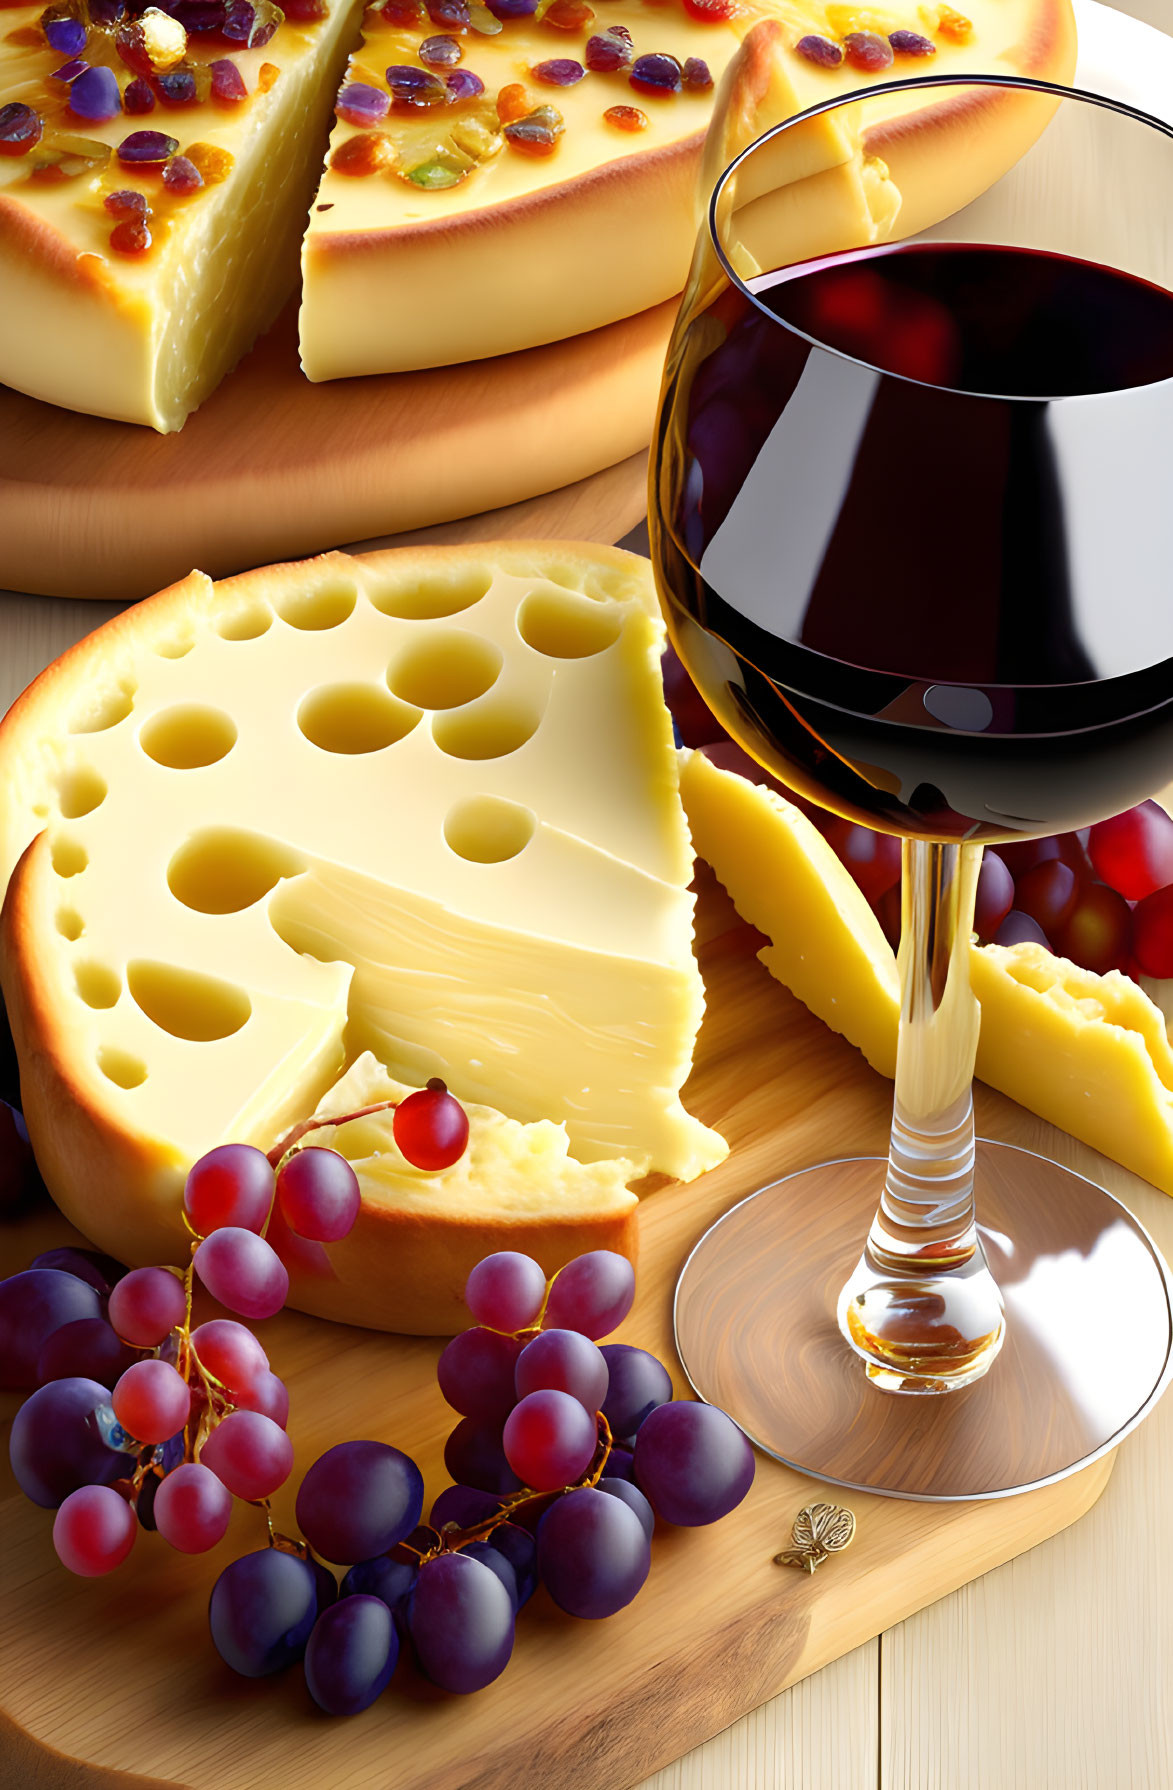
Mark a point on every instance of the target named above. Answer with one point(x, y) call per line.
point(1089, 1053)
point(423, 803)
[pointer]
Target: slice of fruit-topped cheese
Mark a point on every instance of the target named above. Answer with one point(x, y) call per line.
point(154, 180)
point(419, 1234)
point(423, 803)
point(512, 173)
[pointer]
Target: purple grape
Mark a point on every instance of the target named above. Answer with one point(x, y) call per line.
point(506, 1291)
point(461, 1622)
point(351, 1655)
point(144, 1504)
point(262, 1610)
point(319, 1195)
point(463, 84)
point(66, 36)
point(550, 1440)
point(20, 1182)
point(358, 1500)
point(637, 1383)
point(593, 1554)
point(621, 1464)
point(326, 1585)
point(1019, 929)
point(995, 895)
point(391, 1581)
point(32, 1306)
point(95, 95)
point(464, 1505)
point(633, 1498)
point(88, 1348)
point(99, 1271)
point(146, 148)
point(518, 1546)
point(476, 1373)
point(360, 103)
point(566, 1361)
point(474, 1455)
point(242, 1271)
point(496, 1563)
point(593, 1294)
point(692, 1462)
point(56, 1444)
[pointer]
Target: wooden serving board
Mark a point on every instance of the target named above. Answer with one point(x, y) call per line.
point(119, 1675)
point(274, 468)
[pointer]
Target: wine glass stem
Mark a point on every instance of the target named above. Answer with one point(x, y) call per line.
point(922, 1308)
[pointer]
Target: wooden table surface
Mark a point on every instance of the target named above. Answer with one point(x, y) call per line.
point(1054, 1672)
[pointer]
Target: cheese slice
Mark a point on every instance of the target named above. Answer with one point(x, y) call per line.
point(1089, 1053)
point(423, 803)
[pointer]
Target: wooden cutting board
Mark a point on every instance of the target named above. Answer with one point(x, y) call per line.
point(274, 468)
point(120, 1675)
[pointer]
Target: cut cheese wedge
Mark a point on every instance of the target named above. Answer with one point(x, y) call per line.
point(419, 1234)
point(423, 803)
point(1089, 1053)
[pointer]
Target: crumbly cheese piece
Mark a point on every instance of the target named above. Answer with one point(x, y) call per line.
point(1089, 1053)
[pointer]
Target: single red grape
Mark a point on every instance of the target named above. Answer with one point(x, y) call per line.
point(231, 1185)
point(1098, 932)
point(872, 858)
point(94, 1530)
point(1048, 894)
point(318, 1194)
point(268, 1395)
point(566, 1361)
point(230, 1352)
point(151, 1401)
point(1019, 856)
point(1152, 933)
point(549, 1440)
point(243, 1272)
point(250, 1453)
point(1133, 852)
point(995, 895)
point(1020, 929)
point(146, 1305)
point(192, 1508)
point(431, 1127)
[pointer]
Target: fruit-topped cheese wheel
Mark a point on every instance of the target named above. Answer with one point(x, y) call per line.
point(423, 803)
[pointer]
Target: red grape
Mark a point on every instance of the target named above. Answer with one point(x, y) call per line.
point(268, 1395)
point(890, 914)
point(32, 1306)
point(592, 1294)
point(431, 1127)
point(351, 1655)
point(995, 895)
point(1047, 894)
point(550, 1440)
point(243, 1272)
point(593, 1553)
point(1152, 933)
point(147, 1305)
point(461, 1621)
point(231, 1185)
point(94, 1530)
point(359, 1499)
point(1022, 855)
point(692, 1463)
point(1098, 932)
point(1020, 929)
point(695, 721)
point(872, 858)
point(506, 1291)
point(87, 1347)
point(1133, 852)
point(318, 1194)
point(636, 1384)
point(230, 1353)
point(475, 1373)
point(567, 1362)
point(151, 1401)
point(250, 1453)
point(192, 1508)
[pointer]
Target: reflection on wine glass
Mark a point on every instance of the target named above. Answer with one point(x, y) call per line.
point(912, 536)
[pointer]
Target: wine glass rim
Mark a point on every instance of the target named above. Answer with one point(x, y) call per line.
point(910, 84)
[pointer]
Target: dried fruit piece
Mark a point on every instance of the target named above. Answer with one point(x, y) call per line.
point(954, 25)
point(139, 97)
point(440, 52)
point(437, 172)
point(126, 203)
point(401, 12)
point(513, 102)
point(481, 20)
point(911, 43)
point(251, 22)
point(610, 50)
point(819, 50)
point(474, 138)
point(64, 32)
point(228, 88)
point(94, 96)
point(536, 134)
point(107, 12)
point(626, 118)
point(214, 164)
point(560, 71)
point(64, 156)
point(513, 9)
point(367, 153)
point(449, 15)
point(867, 50)
point(131, 237)
point(463, 84)
point(659, 75)
point(414, 89)
point(696, 75)
point(712, 12)
point(181, 176)
point(199, 17)
point(306, 12)
point(267, 76)
point(568, 15)
point(152, 43)
point(187, 86)
point(146, 149)
point(69, 71)
point(358, 103)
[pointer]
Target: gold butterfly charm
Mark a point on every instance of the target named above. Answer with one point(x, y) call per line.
point(819, 1531)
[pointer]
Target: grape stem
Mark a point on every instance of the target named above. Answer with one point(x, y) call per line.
point(294, 1136)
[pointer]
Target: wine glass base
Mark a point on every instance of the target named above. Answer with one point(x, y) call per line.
point(1088, 1346)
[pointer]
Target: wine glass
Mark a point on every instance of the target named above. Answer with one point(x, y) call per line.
point(913, 540)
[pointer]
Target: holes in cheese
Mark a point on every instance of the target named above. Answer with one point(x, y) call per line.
point(69, 923)
point(186, 1003)
point(121, 1067)
point(247, 621)
point(444, 670)
point(433, 597)
point(68, 857)
point(80, 791)
point(223, 870)
point(563, 625)
point(491, 728)
point(354, 718)
point(487, 830)
point(188, 737)
point(104, 709)
point(175, 646)
point(318, 608)
point(97, 984)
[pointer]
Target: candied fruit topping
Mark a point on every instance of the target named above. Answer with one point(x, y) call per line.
point(65, 34)
point(659, 75)
point(214, 164)
point(568, 15)
point(189, 86)
point(440, 52)
point(626, 118)
point(696, 75)
point(481, 20)
point(402, 12)
point(181, 176)
point(463, 84)
point(513, 102)
point(712, 12)
point(306, 12)
point(146, 149)
point(513, 9)
point(449, 15)
point(63, 156)
point(69, 71)
point(131, 237)
point(911, 43)
point(560, 71)
point(139, 96)
point(153, 43)
point(474, 138)
point(867, 50)
point(267, 76)
point(228, 88)
point(820, 50)
point(106, 12)
point(94, 96)
point(610, 50)
point(954, 25)
point(20, 129)
point(359, 103)
point(438, 172)
point(252, 25)
point(414, 89)
point(367, 153)
point(126, 203)
point(537, 133)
